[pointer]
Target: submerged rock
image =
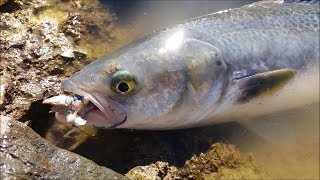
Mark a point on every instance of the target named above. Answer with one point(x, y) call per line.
point(25, 155)
point(156, 171)
point(221, 161)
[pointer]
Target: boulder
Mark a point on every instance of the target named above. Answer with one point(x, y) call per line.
point(24, 155)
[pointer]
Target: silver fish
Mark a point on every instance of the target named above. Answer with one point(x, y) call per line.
point(230, 65)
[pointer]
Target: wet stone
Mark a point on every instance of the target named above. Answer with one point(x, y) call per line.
point(24, 155)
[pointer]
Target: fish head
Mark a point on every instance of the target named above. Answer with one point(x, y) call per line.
point(146, 84)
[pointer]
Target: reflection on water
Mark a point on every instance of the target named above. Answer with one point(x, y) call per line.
point(286, 143)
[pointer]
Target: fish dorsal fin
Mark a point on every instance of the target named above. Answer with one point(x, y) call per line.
point(265, 83)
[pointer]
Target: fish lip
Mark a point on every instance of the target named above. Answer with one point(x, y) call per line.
point(113, 126)
point(96, 99)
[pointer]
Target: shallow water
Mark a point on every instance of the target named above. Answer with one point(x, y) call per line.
point(289, 142)
point(151, 15)
point(285, 143)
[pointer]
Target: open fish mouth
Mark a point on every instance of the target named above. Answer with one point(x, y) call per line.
point(90, 109)
point(107, 112)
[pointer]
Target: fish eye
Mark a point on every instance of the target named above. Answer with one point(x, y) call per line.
point(123, 87)
point(123, 82)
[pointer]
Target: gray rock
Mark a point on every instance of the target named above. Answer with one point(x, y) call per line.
point(24, 155)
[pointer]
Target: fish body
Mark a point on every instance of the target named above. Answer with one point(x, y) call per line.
point(230, 65)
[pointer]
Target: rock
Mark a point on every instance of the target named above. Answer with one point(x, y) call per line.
point(157, 171)
point(35, 37)
point(79, 54)
point(24, 155)
point(68, 54)
point(221, 161)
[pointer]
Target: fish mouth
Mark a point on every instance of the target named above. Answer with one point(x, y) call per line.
point(101, 111)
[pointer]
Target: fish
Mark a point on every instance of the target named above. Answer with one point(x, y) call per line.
point(226, 66)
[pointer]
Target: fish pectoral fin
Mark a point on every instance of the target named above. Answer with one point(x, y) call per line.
point(265, 83)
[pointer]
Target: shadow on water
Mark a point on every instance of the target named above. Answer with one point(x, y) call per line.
point(122, 150)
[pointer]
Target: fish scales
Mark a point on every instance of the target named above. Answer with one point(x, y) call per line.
point(237, 31)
